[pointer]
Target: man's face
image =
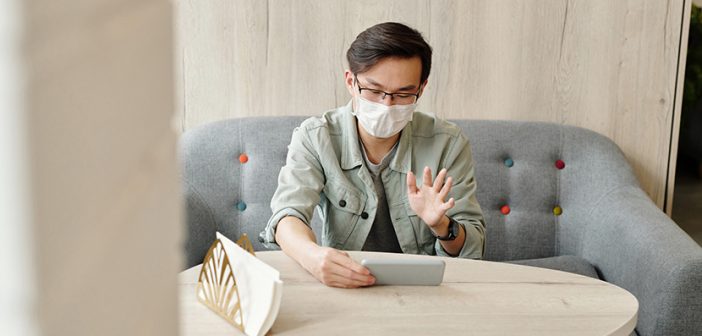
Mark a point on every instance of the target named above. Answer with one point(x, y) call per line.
point(392, 75)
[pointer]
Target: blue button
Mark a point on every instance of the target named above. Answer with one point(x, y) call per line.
point(509, 163)
point(241, 206)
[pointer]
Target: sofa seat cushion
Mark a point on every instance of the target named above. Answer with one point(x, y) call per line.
point(567, 263)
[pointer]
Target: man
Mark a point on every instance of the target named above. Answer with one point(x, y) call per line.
point(357, 164)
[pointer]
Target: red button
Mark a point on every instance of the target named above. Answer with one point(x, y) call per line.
point(243, 158)
point(560, 164)
point(505, 210)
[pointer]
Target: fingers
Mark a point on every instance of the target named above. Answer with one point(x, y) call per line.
point(334, 280)
point(448, 205)
point(411, 183)
point(337, 269)
point(427, 177)
point(439, 182)
point(441, 185)
point(348, 263)
point(446, 188)
point(348, 276)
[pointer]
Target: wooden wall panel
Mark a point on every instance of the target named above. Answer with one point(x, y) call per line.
point(609, 66)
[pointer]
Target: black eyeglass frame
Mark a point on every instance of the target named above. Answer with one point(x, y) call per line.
point(385, 94)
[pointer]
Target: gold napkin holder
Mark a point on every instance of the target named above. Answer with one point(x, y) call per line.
point(216, 285)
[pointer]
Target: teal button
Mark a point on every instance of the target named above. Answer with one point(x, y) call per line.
point(241, 206)
point(509, 163)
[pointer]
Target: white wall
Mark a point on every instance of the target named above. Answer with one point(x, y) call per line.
point(17, 280)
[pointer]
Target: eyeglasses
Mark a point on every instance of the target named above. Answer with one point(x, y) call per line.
point(401, 98)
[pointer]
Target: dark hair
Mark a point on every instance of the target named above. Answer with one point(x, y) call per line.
point(389, 39)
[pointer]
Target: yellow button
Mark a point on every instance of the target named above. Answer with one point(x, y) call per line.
point(557, 211)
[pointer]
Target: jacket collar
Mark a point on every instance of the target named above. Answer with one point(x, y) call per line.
point(351, 156)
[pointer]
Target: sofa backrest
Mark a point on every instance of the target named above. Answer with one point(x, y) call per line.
point(515, 165)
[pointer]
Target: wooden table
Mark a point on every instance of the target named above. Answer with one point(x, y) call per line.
point(476, 298)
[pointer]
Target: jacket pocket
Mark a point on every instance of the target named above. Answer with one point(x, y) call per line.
point(422, 233)
point(346, 206)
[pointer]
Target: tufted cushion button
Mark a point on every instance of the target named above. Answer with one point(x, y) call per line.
point(241, 206)
point(557, 210)
point(243, 158)
point(342, 203)
point(364, 215)
point(560, 164)
point(260, 239)
point(509, 162)
point(505, 210)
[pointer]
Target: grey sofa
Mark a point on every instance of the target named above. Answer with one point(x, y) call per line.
point(608, 227)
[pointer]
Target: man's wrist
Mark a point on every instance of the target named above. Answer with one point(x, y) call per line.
point(308, 255)
point(442, 228)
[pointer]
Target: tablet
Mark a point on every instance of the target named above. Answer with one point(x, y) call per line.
point(406, 272)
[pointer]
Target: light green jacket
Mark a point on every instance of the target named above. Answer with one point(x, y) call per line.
point(325, 168)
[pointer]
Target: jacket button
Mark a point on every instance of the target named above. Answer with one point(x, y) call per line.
point(364, 215)
point(243, 158)
point(342, 203)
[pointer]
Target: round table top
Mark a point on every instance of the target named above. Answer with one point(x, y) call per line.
point(475, 298)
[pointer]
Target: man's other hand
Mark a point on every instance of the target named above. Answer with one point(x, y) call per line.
point(335, 268)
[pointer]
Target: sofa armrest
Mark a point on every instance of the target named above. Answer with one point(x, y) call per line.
point(634, 245)
point(201, 226)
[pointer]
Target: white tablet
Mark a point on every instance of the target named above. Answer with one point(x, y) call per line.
point(406, 272)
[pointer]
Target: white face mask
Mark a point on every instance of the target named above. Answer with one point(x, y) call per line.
point(380, 120)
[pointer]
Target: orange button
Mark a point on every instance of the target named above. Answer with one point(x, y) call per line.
point(243, 158)
point(505, 210)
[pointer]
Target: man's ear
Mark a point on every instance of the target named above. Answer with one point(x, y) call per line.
point(348, 80)
point(423, 86)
